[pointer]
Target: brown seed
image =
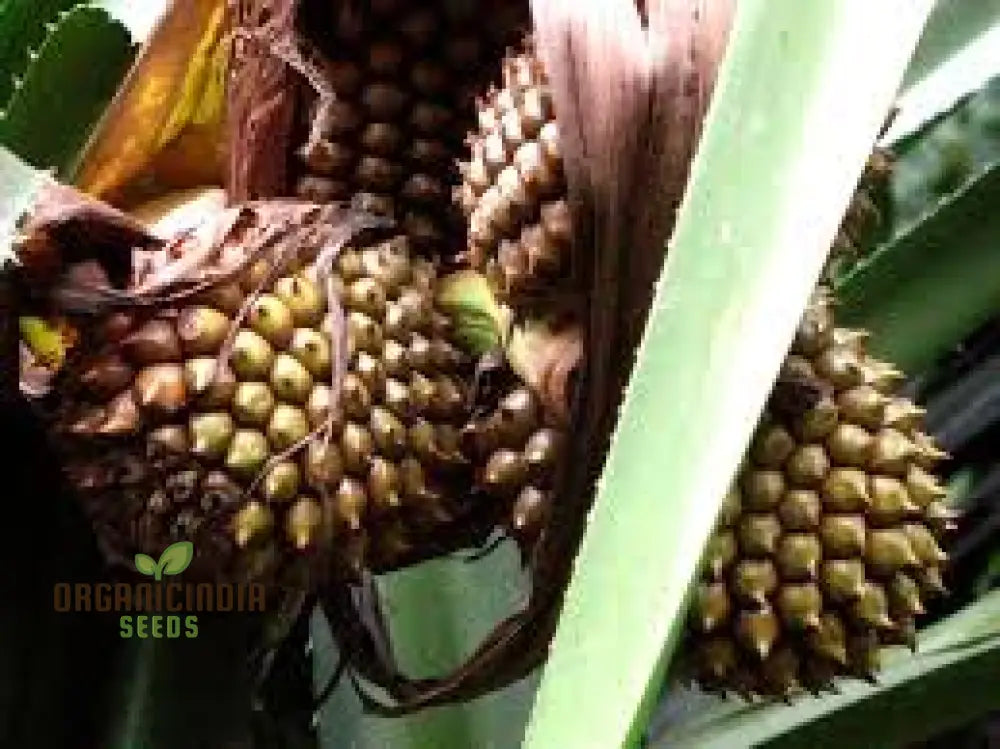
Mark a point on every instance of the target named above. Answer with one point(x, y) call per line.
point(720, 552)
point(422, 188)
point(363, 333)
point(355, 400)
point(384, 57)
point(757, 631)
point(843, 579)
point(889, 550)
point(846, 490)
point(731, 509)
point(303, 522)
point(281, 483)
point(754, 580)
point(324, 466)
point(891, 452)
point(287, 426)
point(252, 356)
point(152, 343)
point(800, 605)
point(780, 671)
point(717, 658)
point(202, 329)
point(106, 375)
point(351, 501)
point(253, 403)
point(529, 512)
point(843, 536)
point(872, 607)
point(541, 452)
point(170, 439)
point(428, 154)
point(849, 445)
point(420, 27)
point(711, 607)
point(210, 434)
point(763, 489)
point(214, 387)
point(290, 379)
point(807, 465)
point(799, 556)
point(397, 398)
point(518, 416)
point(800, 510)
point(327, 158)
point(863, 405)
point(421, 393)
point(759, 534)
point(448, 401)
point(270, 318)
point(303, 298)
point(904, 595)
point(924, 545)
point(505, 473)
point(772, 445)
point(429, 77)
point(161, 388)
point(388, 433)
point(922, 487)
point(247, 452)
point(829, 638)
point(357, 447)
point(890, 501)
point(122, 416)
point(430, 119)
point(383, 484)
point(312, 349)
point(818, 421)
point(252, 523)
point(319, 405)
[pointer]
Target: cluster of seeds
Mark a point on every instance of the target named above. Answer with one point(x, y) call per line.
point(403, 78)
point(827, 545)
point(248, 414)
point(513, 192)
point(516, 454)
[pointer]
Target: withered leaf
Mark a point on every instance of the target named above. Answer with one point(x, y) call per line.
point(172, 98)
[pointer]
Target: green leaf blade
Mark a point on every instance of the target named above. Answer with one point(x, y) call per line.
point(176, 558)
point(51, 114)
point(145, 564)
point(801, 97)
point(951, 679)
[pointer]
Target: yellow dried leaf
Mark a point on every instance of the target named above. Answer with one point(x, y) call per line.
point(172, 103)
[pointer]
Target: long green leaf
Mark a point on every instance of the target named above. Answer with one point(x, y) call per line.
point(950, 680)
point(801, 96)
point(437, 613)
point(951, 262)
point(66, 87)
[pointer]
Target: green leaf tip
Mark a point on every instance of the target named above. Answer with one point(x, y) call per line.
point(145, 564)
point(176, 558)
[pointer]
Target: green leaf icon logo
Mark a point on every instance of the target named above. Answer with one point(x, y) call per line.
point(176, 558)
point(145, 564)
